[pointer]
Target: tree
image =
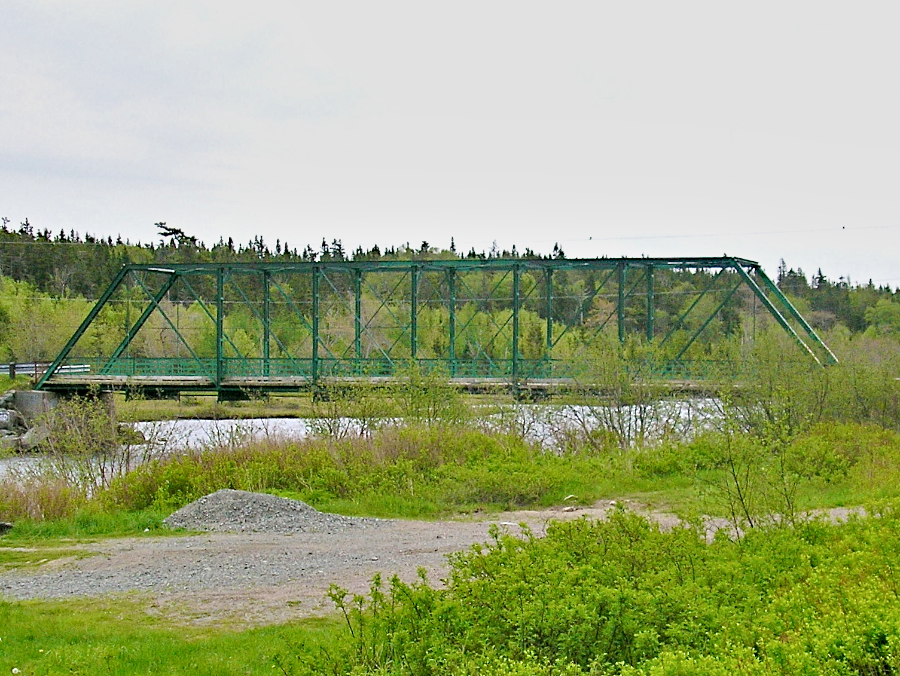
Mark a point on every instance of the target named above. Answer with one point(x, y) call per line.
point(884, 318)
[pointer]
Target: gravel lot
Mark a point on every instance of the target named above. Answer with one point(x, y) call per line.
point(265, 559)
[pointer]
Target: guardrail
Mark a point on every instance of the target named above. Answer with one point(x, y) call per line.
point(38, 369)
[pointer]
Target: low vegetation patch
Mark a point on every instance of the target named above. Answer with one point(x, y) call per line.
point(30, 557)
point(621, 597)
point(787, 595)
point(615, 597)
point(123, 636)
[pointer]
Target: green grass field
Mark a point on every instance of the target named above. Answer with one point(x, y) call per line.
point(122, 636)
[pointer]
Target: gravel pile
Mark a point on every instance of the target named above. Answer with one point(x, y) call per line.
point(233, 511)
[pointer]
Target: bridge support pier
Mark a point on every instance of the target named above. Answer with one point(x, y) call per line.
point(33, 404)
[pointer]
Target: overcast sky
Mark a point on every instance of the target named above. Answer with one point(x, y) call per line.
point(765, 130)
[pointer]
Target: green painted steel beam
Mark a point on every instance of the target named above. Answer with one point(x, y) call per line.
point(357, 313)
point(451, 301)
point(678, 322)
point(493, 327)
point(621, 270)
point(776, 313)
point(706, 323)
point(79, 332)
point(587, 303)
point(413, 311)
point(493, 264)
point(515, 328)
point(548, 309)
point(220, 323)
point(212, 317)
point(315, 324)
point(145, 315)
point(172, 326)
point(650, 305)
point(770, 285)
point(267, 322)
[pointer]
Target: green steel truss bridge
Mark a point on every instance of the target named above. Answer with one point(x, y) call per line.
point(238, 329)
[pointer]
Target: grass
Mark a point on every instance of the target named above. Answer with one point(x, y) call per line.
point(85, 526)
point(206, 407)
point(414, 472)
point(121, 636)
point(32, 543)
point(31, 557)
point(431, 472)
point(299, 405)
point(17, 383)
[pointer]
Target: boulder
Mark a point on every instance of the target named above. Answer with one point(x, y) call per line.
point(33, 437)
point(11, 420)
point(6, 399)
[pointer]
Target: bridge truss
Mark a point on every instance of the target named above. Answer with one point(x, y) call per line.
point(240, 328)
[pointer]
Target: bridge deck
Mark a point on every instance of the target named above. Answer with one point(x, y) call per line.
point(235, 386)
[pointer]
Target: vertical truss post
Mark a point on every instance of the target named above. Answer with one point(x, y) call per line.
point(451, 289)
point(413, 309)
point(357, 315)
point(548, 309)
point(620, 306)
point(220, 324)
point(515, 328)
point(650, 308)
point(315, 325)
point(267, 324)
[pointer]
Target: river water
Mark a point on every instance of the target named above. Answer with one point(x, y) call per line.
point(550, 426)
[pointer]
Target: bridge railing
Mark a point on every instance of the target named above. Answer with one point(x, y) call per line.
point(288, 372)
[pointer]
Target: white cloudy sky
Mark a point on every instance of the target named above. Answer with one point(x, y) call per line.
point(765, 130)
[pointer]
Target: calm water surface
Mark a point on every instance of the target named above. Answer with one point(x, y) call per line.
point(539, 423)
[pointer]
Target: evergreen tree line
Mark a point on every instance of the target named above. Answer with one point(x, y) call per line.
point(45, 275)
point(72, 264)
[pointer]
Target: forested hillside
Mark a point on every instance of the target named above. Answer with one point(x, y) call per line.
point(48, 282)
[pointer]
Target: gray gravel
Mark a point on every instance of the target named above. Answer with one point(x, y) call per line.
point(264, 559)
point(231, 511)
point(269, 560)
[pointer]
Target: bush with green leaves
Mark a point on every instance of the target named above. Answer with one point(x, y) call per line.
point(623, 597)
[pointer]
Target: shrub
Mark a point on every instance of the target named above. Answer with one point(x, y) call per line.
point(624, 597)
